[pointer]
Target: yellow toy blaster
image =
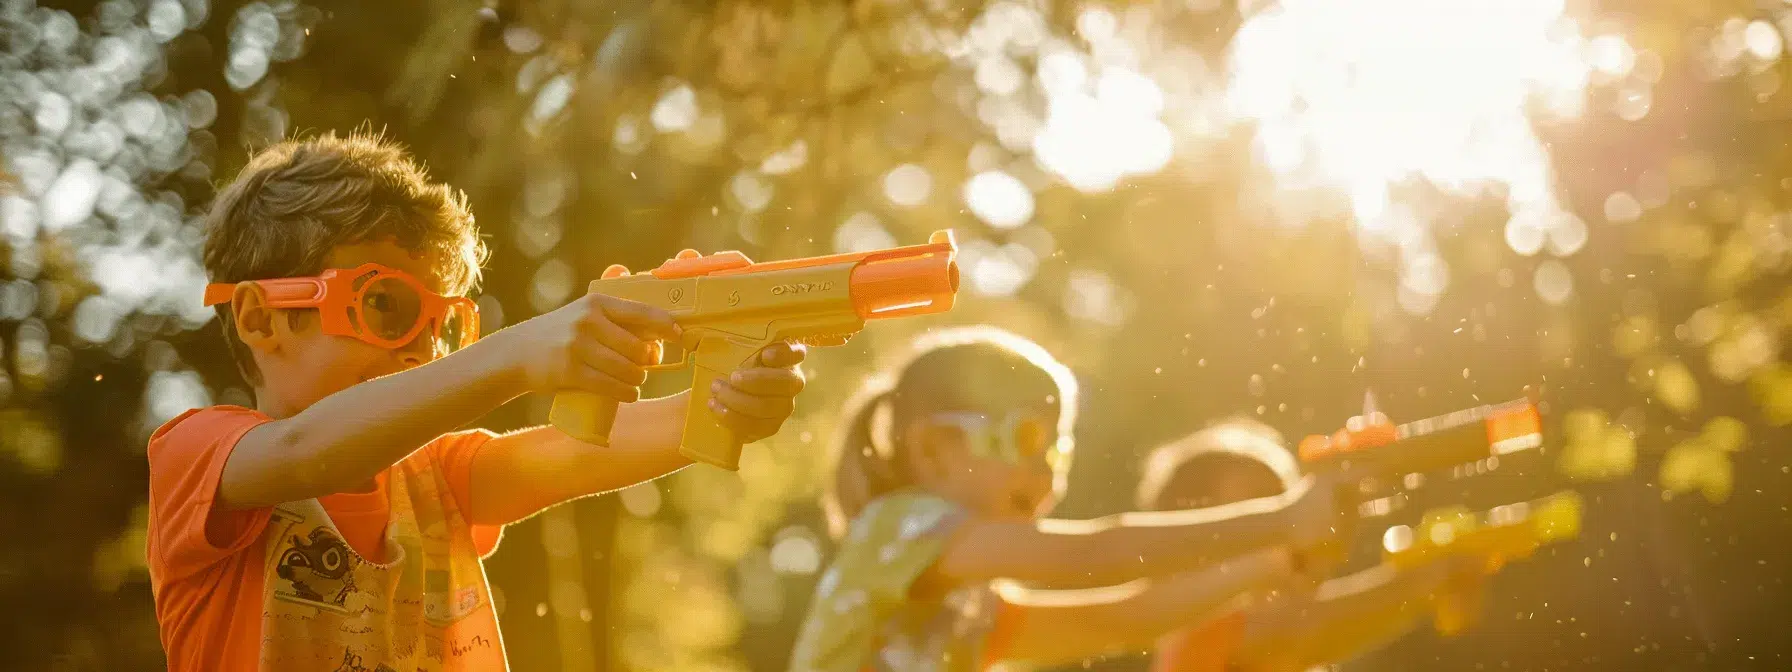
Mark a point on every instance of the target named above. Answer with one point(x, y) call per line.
point(1374, 448)
point(730, 308)
point(1501, 534)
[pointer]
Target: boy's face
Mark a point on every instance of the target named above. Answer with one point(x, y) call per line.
point(301, 365)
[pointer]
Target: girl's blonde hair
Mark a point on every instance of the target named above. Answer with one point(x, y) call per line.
point(1238, 438)
point(945, 370)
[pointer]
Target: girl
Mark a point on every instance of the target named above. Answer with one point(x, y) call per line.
point(942, 474)
point(1243, 460)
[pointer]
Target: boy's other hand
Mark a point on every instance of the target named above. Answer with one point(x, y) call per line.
point(596, 343)
point(755, 401)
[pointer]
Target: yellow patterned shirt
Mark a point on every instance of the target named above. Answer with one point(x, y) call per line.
point(863, 616)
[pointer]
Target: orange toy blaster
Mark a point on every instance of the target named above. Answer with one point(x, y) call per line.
point(1501, 534)
point(730, 308)
point(1374, 448)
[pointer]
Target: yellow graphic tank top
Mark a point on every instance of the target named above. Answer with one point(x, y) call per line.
point(426, 609)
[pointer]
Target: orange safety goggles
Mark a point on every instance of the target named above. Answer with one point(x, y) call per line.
point(379, 305)
point(1016, 438)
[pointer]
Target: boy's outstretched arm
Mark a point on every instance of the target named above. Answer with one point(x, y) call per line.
point(1056, 627)
point(596, 343)
point(1116, 549)
point(1349, 615)
point(518, 474)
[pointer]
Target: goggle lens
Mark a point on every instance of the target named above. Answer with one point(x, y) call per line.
point(1017, 440)
point(390, 308)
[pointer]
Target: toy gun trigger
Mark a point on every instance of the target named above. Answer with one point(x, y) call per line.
point(1456, 611)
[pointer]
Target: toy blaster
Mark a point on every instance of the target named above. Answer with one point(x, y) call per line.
point(730, 308)
point(1374, 448)
point(1501, 534)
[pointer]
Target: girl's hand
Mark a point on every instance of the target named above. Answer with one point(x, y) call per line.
point(756, 400)
point(596, 343)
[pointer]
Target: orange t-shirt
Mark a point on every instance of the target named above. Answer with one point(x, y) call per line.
point(205, 565)
point(1208, 647)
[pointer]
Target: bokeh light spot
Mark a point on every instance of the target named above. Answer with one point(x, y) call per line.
point(676, 110)
point(1553, 282)
point(999, 199)
point(1621, 208)
point(862, 233)
point(908, 185)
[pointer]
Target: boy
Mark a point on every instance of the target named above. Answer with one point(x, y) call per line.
point(1296, 630)
point(340, 523)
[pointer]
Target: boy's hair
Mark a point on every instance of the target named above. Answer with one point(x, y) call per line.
point(1238, 445)
point(296, 201)
point(946, 370)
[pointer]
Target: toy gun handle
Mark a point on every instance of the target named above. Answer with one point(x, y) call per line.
point(705, 439)
point(1450, 615)
point(586, 416)
point(1457, 607)
point(1455, 611)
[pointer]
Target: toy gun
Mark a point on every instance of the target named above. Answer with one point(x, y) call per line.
point(1503, 533)
point(1374, 448)
point(730, 308)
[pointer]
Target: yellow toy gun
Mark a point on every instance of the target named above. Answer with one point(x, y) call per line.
point(1503, 533)
point(731, 308)
point(1371, 447)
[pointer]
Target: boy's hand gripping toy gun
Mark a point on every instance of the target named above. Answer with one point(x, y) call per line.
point(1504, 533)
point(1371, 447)
point(730, 308)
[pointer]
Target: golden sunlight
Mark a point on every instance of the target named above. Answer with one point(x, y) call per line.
point(1361, 97)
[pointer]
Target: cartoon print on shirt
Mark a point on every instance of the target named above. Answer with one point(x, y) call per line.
point(316, 570)
point(424, 609)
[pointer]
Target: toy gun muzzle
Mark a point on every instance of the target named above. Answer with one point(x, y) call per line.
point(731, 308)
point(1374, 448)
point(917, 284)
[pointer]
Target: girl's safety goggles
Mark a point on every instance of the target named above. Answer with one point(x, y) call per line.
point(1018, 438)
point(379, 305)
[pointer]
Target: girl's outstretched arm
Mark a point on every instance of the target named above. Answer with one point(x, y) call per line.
point(1114, 550)
point(1052, 627)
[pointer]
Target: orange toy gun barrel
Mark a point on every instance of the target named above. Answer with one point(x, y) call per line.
point(1499, 535)
point(730, 308)
point(1377, 448)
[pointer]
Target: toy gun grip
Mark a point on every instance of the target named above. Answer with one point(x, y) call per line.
point(1451, 615)
point(705, 439)
point(1457, 608)
point(586, 416)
